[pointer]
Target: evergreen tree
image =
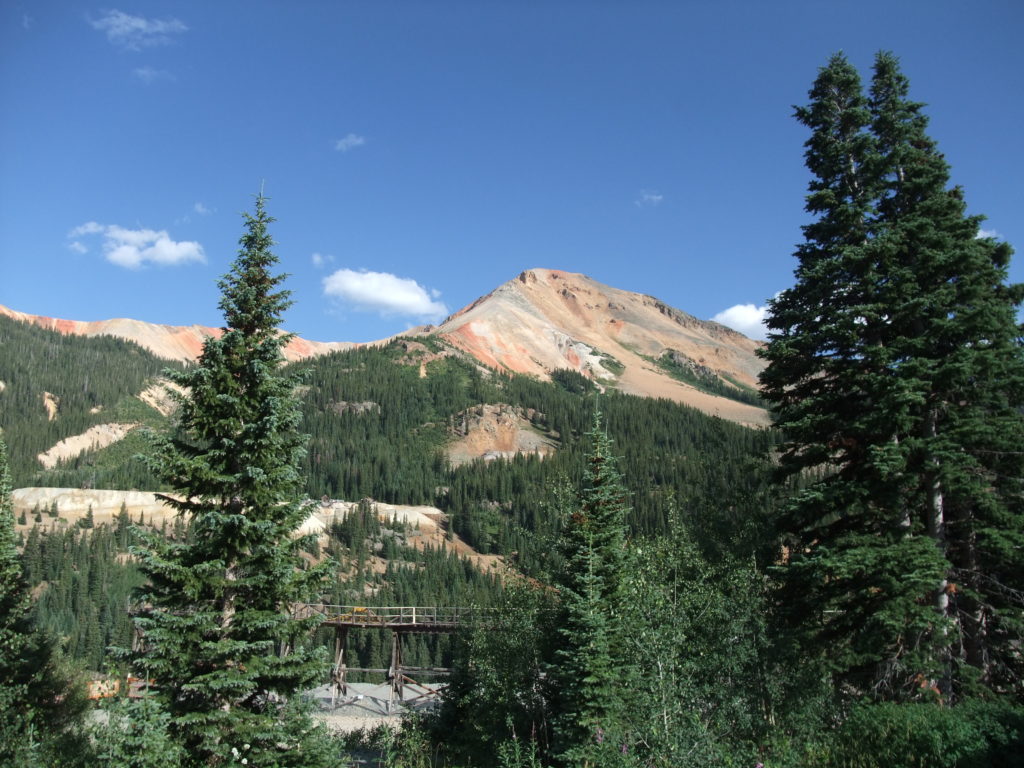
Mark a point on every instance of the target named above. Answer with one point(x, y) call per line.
point(220, 644)
point(123, 526)
point(895, 374)
point(591, 587)
point(953, 331)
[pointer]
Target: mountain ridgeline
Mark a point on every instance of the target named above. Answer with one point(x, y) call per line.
point(542, 321)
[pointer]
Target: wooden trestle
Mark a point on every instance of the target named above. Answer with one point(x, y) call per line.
point(399, 620)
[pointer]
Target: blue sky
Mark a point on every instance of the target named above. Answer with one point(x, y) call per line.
point(419, 154)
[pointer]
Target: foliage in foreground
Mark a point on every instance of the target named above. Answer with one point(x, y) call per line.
point(41, 701)
point(978, 733)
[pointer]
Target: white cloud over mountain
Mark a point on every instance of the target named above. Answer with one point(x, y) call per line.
point(385, 294)
point(748, 319)
point(133, 248)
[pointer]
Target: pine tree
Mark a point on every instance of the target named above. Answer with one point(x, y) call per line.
point(123, 526)
point(953, 331)
point(895, 375)
point(220, 645)
point(591, 587)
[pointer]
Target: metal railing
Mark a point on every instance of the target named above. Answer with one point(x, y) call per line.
point(384, 616)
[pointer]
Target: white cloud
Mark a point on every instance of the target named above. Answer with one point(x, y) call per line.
point(135, 32)
point(132, 248)
point(89, 228)
point(748, 319)
point(319, 259)
point(150, 75)
point(384, 294)
point(26, 21)
point(988, 233)
point(201, 209)
point(648, 199)
point(348, 142)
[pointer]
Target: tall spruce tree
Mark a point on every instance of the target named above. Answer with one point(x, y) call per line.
point(591, 587)
point(953, 333)
point(219, 643)
point(894, 372)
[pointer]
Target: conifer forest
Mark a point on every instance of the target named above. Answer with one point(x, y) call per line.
point(844, 588)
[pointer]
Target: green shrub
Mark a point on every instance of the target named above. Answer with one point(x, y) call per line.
point(975, 734)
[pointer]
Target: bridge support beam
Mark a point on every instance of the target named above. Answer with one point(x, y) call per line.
point(339, 686)
point(396, 672)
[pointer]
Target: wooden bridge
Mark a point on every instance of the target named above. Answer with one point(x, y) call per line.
point(400, 620)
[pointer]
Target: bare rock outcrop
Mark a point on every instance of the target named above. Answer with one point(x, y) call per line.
point(158, 396)
point(496, 431)
point(94, 438)
point(52, 404)
point(74, 503)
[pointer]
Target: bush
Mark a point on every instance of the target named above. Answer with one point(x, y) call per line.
point(975, 734)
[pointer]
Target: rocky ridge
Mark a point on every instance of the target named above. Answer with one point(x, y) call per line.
point(547, 319)
point(171, 342)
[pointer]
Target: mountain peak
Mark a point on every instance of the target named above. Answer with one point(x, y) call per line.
point(547, 319)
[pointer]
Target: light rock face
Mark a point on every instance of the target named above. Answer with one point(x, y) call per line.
point(430, 524)
point(94, 438)
point(158, 396)
point(547, 319)
point(74, 503)
point(496, 432)
point(52, 404)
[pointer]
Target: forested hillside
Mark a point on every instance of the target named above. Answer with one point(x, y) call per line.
point(85, 382)
point(393, 452)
